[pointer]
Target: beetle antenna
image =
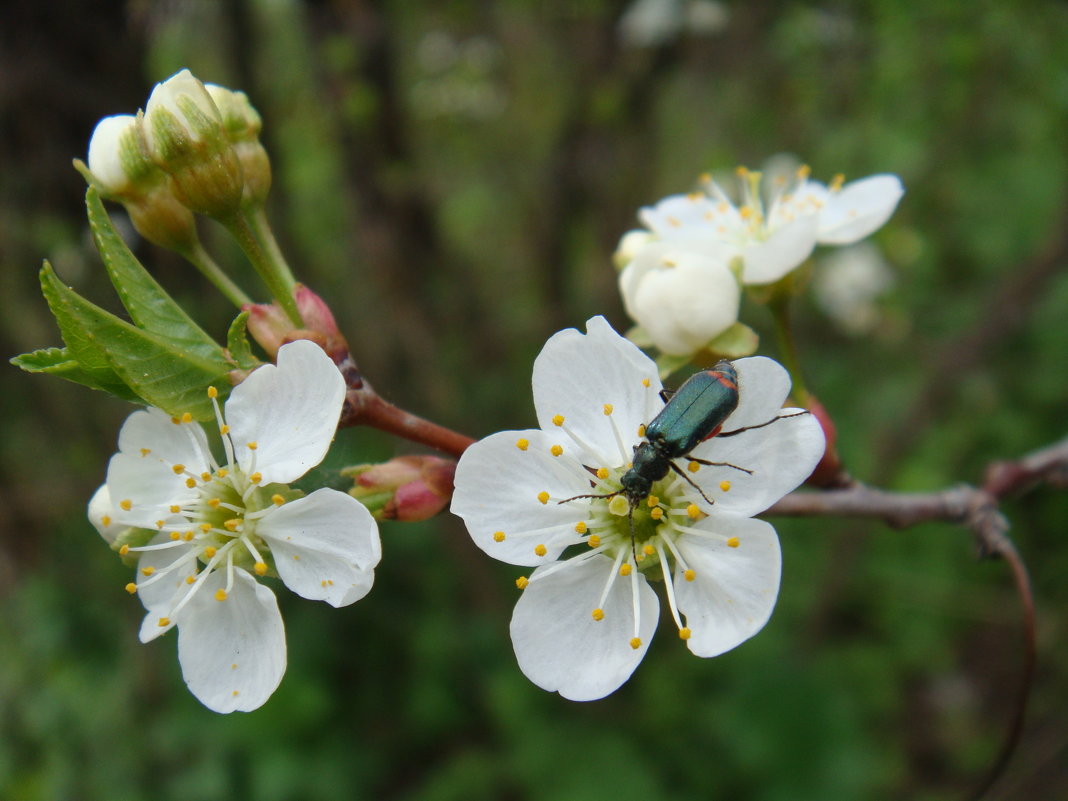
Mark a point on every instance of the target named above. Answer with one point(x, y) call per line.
point(761, 425)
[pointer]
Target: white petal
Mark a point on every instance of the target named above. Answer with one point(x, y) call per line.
point(497, 487)
point(786, 247)
point(290, 410)
point(149, 485)
point(102, 515)
point(859, 209)
point(558, 644)
point(575, 375)
point(105, 151)
point(153, 433)
point(683, 302)
point(780, 457)
point(763, 386)
point(734, 590)
point(166, 96)
point(160, 595)
point(325, 546)
point(232, 652)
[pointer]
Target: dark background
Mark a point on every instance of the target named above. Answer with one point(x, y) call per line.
point(453, 178)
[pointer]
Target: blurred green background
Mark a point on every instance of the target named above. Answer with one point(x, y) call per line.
point(453, 177)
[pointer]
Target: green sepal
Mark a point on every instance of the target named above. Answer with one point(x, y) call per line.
point(148, 304)
point(737, 341)
point(60, 363)
point(104, 346)
point(666, 364)
point(238, 345)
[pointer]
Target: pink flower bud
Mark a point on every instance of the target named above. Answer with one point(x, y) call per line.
point(271, 327)
point(407, 488)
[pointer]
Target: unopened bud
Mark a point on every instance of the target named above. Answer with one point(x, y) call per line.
point(407, 488)
point(271, 327)
point(242, 123)
point(184, 136)
point(629, 245)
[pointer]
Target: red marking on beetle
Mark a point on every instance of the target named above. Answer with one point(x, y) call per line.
point(715, 431)
point(724, 380)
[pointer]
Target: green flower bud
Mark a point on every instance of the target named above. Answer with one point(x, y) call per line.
point(184, 136)
point(242, 124)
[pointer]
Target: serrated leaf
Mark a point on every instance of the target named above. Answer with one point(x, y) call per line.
point(148, 304)
point(238, 345)
point(59, 362)
point(156, 369)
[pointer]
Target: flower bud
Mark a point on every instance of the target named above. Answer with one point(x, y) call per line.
point(407, 488)
point(271, 327)
point(184, 135)
point(681, 298)
point(120, 169)
point(242, 124)
point(629, 244)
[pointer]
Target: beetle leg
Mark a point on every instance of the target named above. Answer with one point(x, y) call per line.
point(718, 464)
point(690, 481)
point(760, 425)
point(665, 394)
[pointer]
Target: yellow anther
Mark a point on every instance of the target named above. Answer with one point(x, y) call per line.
point(543, 497)
point(580, 527)
point(746, 212)
point(159, 524)
point(704, 177)
point(641, 430)
point(522, 443)
point(597, 614)
point(836, 182)
point(593, 541)
point(233, 666)
point(190, 579)
point(725, 485)
point(674, 221)
point(558, 419)
point(522, 582)
point(693, 511)
point(188, 536)
point(126, 504)
point(214, 502)
point(223, 472)
point(656, 513)
point(602, 473)
point(693, 197)
point(260, 568)
point(693, 467)
point(608, 407)
point(190, 482)
point(175, 420)
point(235, 693)
point(213, 393)
point(635, 643)
point(256, 478)
point(205, 476)
point(733, 542)
point(164, 621)
point(105, 520)
point(803, 172)
point(175, 508)
point(277, 499)
point(689, 574)
point(669, 263)
point(147, 571)
point(498, 536)
point(205, 527)
point(175, 536)
point(648, 549)
point(124, 549)
point(220, 594)
point(131, 588)
point(187, 418)
point(210, 551)
point(224, 429)
point(741, 171)
point(652, 500)
point(146, 451)
point(252, 445)
point(639, 558)
point(232, 523)
point(296, 558)
point(556, 450)
point(540, 549)
point(646, 382)
point(625, 569)
point(684, 633)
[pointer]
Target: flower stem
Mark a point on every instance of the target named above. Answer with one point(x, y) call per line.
point(364, 406)
point(252, 231)
point(200, 259)
point(779, 304)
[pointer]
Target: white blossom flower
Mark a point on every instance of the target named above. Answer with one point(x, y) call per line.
point(116, 158)
point(682, 299)
point(773, 231)
point(215, 527)
point(549, 498)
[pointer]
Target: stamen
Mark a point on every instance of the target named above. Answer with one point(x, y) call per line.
point(522, 443)
point(636, 643)
point(733, 542)
point(220, 594)
point(498, 536)
point(580, 527)
point(540, 549)
point(611, 577)
point(593, 541)
point(684, 633)
point(522, 582)
point(543, 497)
point(260, 568)
point(131, 588)
point(725, 485)
point(669, 587)
point(598, 614)
point(556, 450)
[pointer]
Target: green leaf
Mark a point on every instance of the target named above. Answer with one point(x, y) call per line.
point(59, 362)
point(238, 345)
point(149, 305)
point(158, 370)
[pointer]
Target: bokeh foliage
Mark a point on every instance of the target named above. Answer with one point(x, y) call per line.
point(453, 178)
